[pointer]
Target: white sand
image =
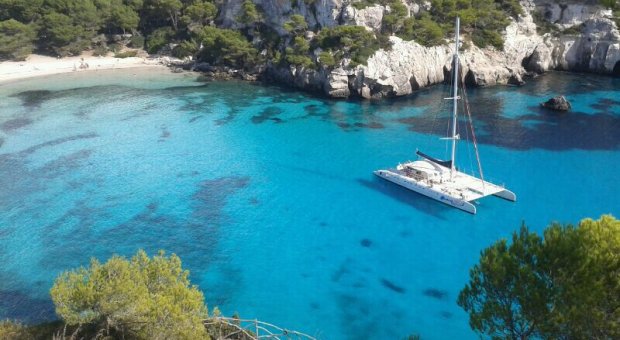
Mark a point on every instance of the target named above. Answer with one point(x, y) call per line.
point(38, 65)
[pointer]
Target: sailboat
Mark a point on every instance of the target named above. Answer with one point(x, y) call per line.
point(440, 179)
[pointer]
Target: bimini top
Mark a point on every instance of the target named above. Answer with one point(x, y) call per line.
point(447, 164)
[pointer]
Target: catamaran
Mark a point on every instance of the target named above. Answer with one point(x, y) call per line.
point(440, 179)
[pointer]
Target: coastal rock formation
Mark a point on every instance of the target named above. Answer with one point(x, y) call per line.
point(370, 16)
point(558, 103)
point(584, 38)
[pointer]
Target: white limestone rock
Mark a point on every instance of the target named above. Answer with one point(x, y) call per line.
point(369, 17)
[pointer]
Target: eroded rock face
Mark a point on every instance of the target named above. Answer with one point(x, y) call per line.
point(565, 14)
point(409, 66)
point(369, 17)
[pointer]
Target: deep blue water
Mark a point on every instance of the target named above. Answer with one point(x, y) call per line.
point(268, 196)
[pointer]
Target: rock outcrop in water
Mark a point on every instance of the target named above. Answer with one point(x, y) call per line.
point(559, 103)
point(583, 37)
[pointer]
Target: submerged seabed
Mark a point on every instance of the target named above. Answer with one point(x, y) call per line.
point(268, 196)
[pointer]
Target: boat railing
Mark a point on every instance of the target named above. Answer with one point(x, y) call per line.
point(246, 329)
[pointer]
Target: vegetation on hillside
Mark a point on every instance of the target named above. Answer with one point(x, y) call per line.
point(484, 20)
point(182, 27)
point(563, 285)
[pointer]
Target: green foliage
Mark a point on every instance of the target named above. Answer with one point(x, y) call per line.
point(297, 24)
point(61, 36)
point(124, 18)
point(327, 59)
point(354, 42)
point(100, 50)
point(512, 7)
point(249, 13)
point(423, 30)
point(393, 20)
point(564, 285)
point(126, 54)
point(158, 13)
point(158, 39)
point(366, 3)
point(613, 4)
point(16, 40)
point(199, 13)
point(298, 53)
point(142, 298)
point(136, 41)
point(22, 11)
point(115, 47)
point(226, 47)
point(484, 19)
point(573, 30)
point(483, 38)
point(185, 49)
point(68, 26)
point(10, 330)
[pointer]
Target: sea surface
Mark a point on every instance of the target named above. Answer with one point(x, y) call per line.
point(268, 195)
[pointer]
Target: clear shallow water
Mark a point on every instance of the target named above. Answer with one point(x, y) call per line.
point(268, 195)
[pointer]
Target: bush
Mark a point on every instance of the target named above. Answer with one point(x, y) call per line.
point(136, 41)
point(393, 20)
point(296, 24)
point(298, 53)
point(249, 13)
point(158, 39)
point(327, 59)
point(353, 41)
point(185, 49)
point(226, 47)
point(141, 298)
point(100, 51)
point(424, 31)
point(16, 40)
point(483, 38)
point(115, 47)
point(126, 54)
point(10, 330)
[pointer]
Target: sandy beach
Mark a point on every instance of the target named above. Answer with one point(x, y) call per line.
point(39, 65)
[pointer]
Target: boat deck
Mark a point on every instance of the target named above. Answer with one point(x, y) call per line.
point(462, 186)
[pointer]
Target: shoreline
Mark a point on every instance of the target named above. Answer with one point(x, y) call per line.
point(39, 65)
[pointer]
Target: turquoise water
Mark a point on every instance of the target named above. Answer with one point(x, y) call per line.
point(268, 197)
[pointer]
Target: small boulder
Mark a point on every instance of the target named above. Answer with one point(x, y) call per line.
point(558, 103)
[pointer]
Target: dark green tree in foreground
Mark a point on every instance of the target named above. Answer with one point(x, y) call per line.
point(140, 298)
point(564, 285)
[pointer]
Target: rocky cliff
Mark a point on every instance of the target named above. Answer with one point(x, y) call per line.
point(581, 37)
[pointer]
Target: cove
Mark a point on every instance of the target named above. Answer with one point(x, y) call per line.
point(268, 196)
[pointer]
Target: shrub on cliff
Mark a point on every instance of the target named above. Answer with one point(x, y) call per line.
point(354, 42)
point(16, 40)
point(423, 30)
point(297, 54)
point(563, 285)
point(143, 297)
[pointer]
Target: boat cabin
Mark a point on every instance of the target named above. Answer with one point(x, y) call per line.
point(421, 170)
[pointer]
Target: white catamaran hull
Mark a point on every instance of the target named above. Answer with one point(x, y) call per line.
point(426, 190)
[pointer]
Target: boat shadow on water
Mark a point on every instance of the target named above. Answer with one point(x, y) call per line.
point(406, 196)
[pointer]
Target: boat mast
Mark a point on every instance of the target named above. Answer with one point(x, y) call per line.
point(455, 96)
